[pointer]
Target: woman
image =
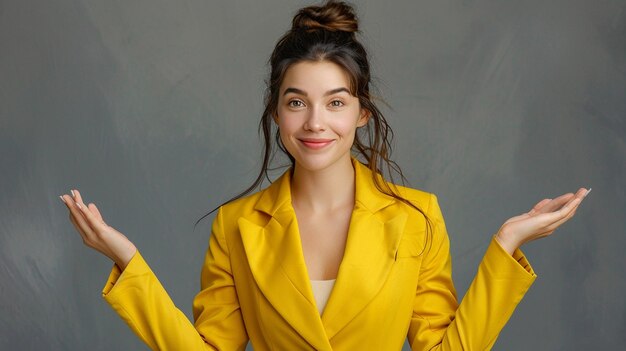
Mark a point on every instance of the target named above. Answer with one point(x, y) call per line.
point(330, 256)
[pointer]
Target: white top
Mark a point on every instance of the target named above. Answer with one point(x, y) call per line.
point(321, 292)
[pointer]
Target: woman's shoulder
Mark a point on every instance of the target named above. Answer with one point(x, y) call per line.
point(427, 202)
point(366, 180)
point(415, 195)
point(244, 204)
point(265, 200)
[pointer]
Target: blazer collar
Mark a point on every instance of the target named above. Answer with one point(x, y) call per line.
point(278, 194)
point(274, 252)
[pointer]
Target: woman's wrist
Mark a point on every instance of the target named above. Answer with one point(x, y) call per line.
point(124, 258)
point(507, 241)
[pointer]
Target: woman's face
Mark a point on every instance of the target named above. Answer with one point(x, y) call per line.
point(316, 115)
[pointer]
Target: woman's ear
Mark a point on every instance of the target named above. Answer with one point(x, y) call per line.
point(275, 116)
point(364, 117)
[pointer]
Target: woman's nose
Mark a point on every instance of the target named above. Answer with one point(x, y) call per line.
point(315, 120)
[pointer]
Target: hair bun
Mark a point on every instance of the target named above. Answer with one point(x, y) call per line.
point(331, 16)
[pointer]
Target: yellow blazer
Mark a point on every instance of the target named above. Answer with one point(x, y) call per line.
point(255, 285)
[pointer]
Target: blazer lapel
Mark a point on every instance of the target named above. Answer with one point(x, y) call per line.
point(373, 238)
point(274, 252)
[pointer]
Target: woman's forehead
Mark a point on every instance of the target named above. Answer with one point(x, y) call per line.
point(315, 78)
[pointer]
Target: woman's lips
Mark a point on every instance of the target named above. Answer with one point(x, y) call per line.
point(316, 143)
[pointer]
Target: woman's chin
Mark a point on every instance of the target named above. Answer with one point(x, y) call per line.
point(317, 163)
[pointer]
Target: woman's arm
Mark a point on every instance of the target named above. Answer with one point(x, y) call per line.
point(141, 301)
point(136, 294)
point(502, 279)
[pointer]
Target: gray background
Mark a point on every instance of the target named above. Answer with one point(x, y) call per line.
point(150, 109)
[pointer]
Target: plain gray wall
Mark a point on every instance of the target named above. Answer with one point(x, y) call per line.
point(150, 108)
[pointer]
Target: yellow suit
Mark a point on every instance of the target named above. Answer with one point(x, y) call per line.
point(255, 284)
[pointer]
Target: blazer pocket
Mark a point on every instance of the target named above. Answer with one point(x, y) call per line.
point(411, 245)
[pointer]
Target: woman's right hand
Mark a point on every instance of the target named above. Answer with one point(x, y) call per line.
point(96, 233)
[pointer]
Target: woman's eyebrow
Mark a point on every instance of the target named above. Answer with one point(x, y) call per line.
point(302, 92)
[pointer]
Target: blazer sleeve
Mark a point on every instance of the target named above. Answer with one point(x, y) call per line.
point(438, 322)
point(141, 301)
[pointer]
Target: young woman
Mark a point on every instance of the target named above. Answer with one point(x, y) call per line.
point(330, 256)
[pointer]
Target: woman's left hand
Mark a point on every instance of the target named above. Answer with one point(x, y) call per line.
point(541, 221)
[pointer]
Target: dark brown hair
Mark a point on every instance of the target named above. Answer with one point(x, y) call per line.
point(328, 32)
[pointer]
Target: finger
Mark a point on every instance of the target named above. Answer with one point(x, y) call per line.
point(552, 227)
point(79, 202)
point(570, 208)
point(78, 199)
point(548, 219)
point(91, 219)
point(88, 223)
point(71, 205)
point(76, 195)
point(86, 236)
point(95, 211)
point(564, 212)
point(580, 196)
point(79, 229)
point(74, 214)
point(82, 215)
point(558, 202)
point(82, 223)
point(539, 205)
point(66, 201)
point(573, 202)
point(582, 193)
point(74, 200)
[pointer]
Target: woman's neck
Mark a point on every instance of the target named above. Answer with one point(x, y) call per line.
point(324, 190)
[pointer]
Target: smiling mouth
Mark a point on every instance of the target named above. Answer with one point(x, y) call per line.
point(316, 144)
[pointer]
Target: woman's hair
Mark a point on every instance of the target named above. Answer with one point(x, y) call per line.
point(328, 33)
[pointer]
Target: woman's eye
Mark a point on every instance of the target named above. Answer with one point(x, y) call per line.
point(336, 103)
point(295, 103)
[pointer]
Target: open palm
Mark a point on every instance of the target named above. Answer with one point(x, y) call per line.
point(96, 233)
point(542, 220)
